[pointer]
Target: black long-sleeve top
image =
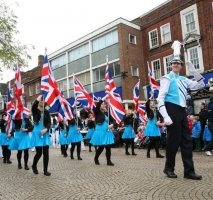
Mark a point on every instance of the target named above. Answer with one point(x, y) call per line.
point(99, 115)
point(210, 116)
point(90, 124)
point(37, 115)
point(73, 122)
point(62, 127)
point(3, 125)
point(128, 119)
point(28, 124)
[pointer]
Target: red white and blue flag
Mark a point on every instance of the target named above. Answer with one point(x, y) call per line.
point(154, 84)
point(95, 100)
point(10, 109)
point(115, 102)
point(81, 95)
point(141, 112)
point(21, 111)
point(136, 95)
point(51, 93)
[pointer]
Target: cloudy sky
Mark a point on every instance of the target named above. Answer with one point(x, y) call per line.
point(54, 24)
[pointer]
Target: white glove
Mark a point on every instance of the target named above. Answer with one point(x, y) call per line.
point(168, 121)
point(192, 71)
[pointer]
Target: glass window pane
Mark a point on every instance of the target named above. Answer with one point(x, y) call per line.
point(117, 68)
point(102, 73)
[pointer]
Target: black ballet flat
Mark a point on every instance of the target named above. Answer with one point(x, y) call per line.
point(35, 171)
point(19, 166)
point(47, 173)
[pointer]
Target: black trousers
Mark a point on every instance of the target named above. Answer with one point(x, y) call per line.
point(130, 142)
point(6, 152)
point(39, 151)
point(72, 149)
point(153, 143)
point(64, 149)
point(209, 146)
point(26, 156)
point(100, 150)
point(178, 136)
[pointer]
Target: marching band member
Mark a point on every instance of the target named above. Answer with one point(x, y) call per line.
point(40, 134)
point(102, 136)
point(63, 137)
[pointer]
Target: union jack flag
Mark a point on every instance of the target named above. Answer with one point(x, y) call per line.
point(136, 95)
point(154, 84)
point(115, 102)
point(141, 112)
point(51, 93)
point(81, 95)
point(95, 100)
point(21, 111)
point(10, 109)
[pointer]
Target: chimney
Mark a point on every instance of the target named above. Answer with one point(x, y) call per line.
point(40, 61)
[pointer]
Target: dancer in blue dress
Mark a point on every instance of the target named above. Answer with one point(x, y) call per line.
point(5, 140)
point(21, 140)
point(91, 129)
point(40, 134)
point(129, 134)
point(152, 128)
point(63, 137)
point(102, 136)
point(75, 137)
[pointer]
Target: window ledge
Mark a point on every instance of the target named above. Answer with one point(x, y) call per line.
point(155, 47)
point(165, 43)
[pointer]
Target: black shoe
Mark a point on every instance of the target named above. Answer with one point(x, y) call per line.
point(90, 150)
point(148, 155)
point(159, 156)
point(4, 161)
point(47, 173)
point(35, 171)
point(26, 167)
point(96, 161)
point(72, 158)
point(193, 176)
point(127, 153)
point(134, 154)
point(170, 174)
point(110, 163)
point(9, 162)
point(19, 166)
point(79, 158)
point(65, 155)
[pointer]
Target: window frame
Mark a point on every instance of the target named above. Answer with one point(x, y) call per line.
point(135, 39)
point(164, 63)
point(153, 72)
point(150, 41)
point(161, 30)
point(132, 67)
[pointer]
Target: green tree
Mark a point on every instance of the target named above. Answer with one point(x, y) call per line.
point(11, 49)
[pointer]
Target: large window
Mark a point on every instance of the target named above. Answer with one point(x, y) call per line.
point(99, 73)
point(37, 87)
point(189, 21)
point(167, 66)
point(105, 41)
point(153, 39)
point(84, 78)
point(62, 85)
point(79, 52)
point(132, 39)
point(30, 90)
point(165, 33)
point(194, 57)
point(58, 62)
point(156, 69)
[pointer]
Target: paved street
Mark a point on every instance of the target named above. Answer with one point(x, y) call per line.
point(130, 178)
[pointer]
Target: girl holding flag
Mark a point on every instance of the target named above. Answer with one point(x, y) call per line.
point(21, 140)
point(40, 134)
point(102, 136)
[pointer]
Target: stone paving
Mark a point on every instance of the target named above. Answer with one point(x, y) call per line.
point(132, 177)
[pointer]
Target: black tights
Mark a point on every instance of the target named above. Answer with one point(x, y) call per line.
point(64, 149)
point(130, 142)
point(26, 156)
point(108, 152)
point(78, 144)
point(6, 152)
point(153, 142)
point(39, 150)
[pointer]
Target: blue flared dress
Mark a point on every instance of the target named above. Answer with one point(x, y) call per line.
point(74, 135)
point(4, 140)
point(37, 139)
point(90, 133)
point(63, 138)
point(128, 133)
point(101, 135)
point(152, 129)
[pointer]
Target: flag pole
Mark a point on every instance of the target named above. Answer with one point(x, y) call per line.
point(75, 107)
point(108, 93)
